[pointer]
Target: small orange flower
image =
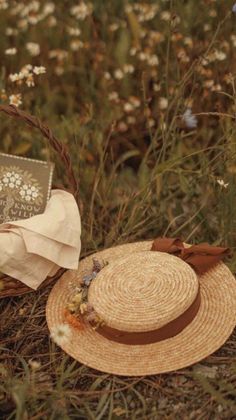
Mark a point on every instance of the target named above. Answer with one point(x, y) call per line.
point(73, 320)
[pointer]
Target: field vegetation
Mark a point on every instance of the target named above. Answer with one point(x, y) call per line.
point(143, 95)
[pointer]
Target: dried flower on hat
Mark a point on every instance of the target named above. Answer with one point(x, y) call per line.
point(78, 310)
point(74, 321)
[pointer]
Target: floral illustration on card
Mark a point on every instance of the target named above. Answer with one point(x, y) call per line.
point(18, 186)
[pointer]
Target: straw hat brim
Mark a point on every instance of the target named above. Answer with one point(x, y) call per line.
point(208, 331)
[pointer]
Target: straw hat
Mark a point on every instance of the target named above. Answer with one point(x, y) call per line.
point(143, 293)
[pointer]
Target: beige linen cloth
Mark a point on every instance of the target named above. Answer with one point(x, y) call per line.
point(34, 248)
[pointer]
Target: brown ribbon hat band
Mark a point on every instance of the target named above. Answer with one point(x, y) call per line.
point(201, 257)
point(147, 337)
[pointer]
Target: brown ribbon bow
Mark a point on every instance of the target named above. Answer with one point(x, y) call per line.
point(201, 257)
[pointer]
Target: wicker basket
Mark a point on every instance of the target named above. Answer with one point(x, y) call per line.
point(8, 285)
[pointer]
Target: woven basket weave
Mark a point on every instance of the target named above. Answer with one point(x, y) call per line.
point(8, 285)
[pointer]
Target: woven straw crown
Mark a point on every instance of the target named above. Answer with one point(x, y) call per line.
point(143, 291)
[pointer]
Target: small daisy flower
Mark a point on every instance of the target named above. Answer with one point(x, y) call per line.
point(128, 68)
point(113, 27)
point(128, 107)
point(163, 103)
point(39, 70)
point(153, 60)
point(15, 77)
point(81, 11)
point(76, 45)
point(11, 51)
point(122, 127)
point(60, 334)
point(34, 364)
point(166, 15)
point(189, 119)
point(113, 96)
point(220, 55)
point(107, 75)
point(73, 31)
point(15, 100)
point(118, 74)
point(222, 183)
point(33, 48)
point(135, 101)
point(133, 51)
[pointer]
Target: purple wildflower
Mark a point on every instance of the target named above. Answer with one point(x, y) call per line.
point(234, 8)
point(189, 119)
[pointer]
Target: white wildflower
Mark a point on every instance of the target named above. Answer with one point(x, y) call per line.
point(207, 27)
point(188, 41)
point(208, 83)
point(233, 39)
point(81, 11)
point(59, 70)
point(128, 107)
point(48, 8)
point(52, 21)
point(33, 48)
point(212, 13)
point(166, 15)
point(15, 99)
point(118, 74)
point(128, 8)
point(142, 56)
point(14, 77)
point(73, 31)
point(183, 57)
point(33, 20)
point(113, 96)
point(222, 183)
point(133, 51)
point(153, 60)
point(156, 87)
point(11, 31)
point(163, 103)
point(131, 120)
point(150, 122)
point(122, 126)
point(135, 101)
point(34, 364)
point(76, 45)
point(216, 88)
point(113, 27)
point(219, 55)
point(11, 51)
point(30, 81)
point(60, 333)
point(4, 5)
point(59, 54)
point(39, 70)
point(107, 75)
point(128, 68)
point(26, 71)
point(189, 119)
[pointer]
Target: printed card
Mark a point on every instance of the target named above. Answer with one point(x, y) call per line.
point(25, 186)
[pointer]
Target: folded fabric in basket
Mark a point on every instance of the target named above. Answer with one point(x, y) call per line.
point(35, 248)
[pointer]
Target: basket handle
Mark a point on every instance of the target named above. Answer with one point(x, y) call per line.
point(60, 148)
